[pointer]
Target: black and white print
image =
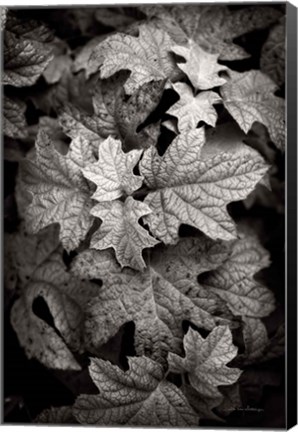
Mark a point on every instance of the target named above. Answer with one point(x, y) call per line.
point(144, 178)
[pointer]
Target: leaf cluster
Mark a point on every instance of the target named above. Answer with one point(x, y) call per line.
point(134, 145)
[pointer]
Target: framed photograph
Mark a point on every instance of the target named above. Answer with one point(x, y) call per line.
point(150, 215)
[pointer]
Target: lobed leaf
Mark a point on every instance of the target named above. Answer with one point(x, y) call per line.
point(191, 109)
point(147, 56)
point(139, 396)
point(157, 300)
point(234, 281)
point(186, 189)
point(200, 66)
point(60, 192)
point(113, 171)
point(120, 230)
point(14, 121)
point(249, 98)
point(206, 361)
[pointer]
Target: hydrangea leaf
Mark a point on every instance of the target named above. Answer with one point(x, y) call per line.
point(213, 27)
point(191, 109)
point(114, 114)
point(147, 56)
point(25, 253)
point(26, 51)
point(255, 339)
point(65, 297)
point(189, 190)
point(75, 122)
point(234, 281)
point(157, 300)
point(14, 121)
point(140, 396)
point(132, 114)
point(120, 229)
point(113, 171)
point(106, 100)
point(200, 66)
point(258, 347)
point(206, 360)
point(28, 29)
point(60, 192)
point(273, 53)
point(249, 98)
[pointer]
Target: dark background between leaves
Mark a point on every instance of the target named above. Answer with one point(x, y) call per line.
point(29, 387)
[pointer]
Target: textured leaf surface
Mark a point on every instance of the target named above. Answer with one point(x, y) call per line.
point(60, 192)
point(273, 53)
point(234, 281)
point(157, 300)
point(113, 171)
point(26, 53)
point(189, 190)
point(14, 121)
point(139, 396)
point(120, 229)
point(121, 117)
point(131, 114)
point(65, 296)
point(214, 28)
point(255, 339)
point(249, 98)
point(75, 122)
point(191, 109)
point(147, 56)
point(206, 361)
point(201, 67)
point(26, 253)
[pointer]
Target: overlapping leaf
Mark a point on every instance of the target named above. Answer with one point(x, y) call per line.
point(139, 396)
point(64, 295)
point(120, 230)
point(113, 171)
point(60, 192)
point(206, 360)
point(14, 121)
point(189, 190)
point(26, 51)
point(249, 97)
point(147, 56)
point(113, 114)
point(234, 281)
point(212, 27)
point(191, 109)
point(255, 339)
point(273, 53)
point(157, 300)
point(200, 66)
point(25, 253)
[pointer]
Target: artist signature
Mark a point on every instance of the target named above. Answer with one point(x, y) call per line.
point(247, 408)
